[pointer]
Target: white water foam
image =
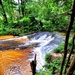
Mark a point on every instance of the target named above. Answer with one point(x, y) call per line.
point(43, 40)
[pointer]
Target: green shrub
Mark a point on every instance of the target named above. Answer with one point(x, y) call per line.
point(26, 19)
point(45, 72)
point(15, 32)
point(55, 63)
point(50, 65)
point(48, 57)
point(60, 48)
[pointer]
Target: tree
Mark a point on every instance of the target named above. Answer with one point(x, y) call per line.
point(4, 14)
point(67, 37)
point(71, 68)
point(22, 7)
point(70, 54)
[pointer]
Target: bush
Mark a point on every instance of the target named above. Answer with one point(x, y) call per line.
point(45, 72)
point(50, 65)
point(60, 48)
point(54, 64)
point(15, 32)
point(48, 57)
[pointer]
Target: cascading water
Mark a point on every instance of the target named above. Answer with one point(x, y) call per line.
point(41, 43)
point(46, 42)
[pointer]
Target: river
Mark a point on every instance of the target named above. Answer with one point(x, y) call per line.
point(40, 43)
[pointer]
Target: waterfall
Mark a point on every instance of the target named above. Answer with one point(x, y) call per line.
point(40, 42)
point(45, 43)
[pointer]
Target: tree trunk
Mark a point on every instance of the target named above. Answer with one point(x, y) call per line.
point(69, 54)
point(72, 67)
point(4, 14)
point(67, 37)
point(22, 7)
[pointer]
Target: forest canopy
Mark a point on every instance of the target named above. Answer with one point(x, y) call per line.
point(27, 16)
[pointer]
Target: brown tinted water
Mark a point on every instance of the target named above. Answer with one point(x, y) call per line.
point(6, 37)
point(14, 62)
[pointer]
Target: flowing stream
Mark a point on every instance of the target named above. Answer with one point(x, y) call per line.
point(45, 43)
point(40, 42)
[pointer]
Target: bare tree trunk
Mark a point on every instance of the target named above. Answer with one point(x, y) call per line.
point(70, 54)
point(72, 67)
point(67, 37)
point(22, 7)
point(4, 14)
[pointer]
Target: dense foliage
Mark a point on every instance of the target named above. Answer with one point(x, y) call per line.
point(60, 48)
point(53, 67)
point(27, 16)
